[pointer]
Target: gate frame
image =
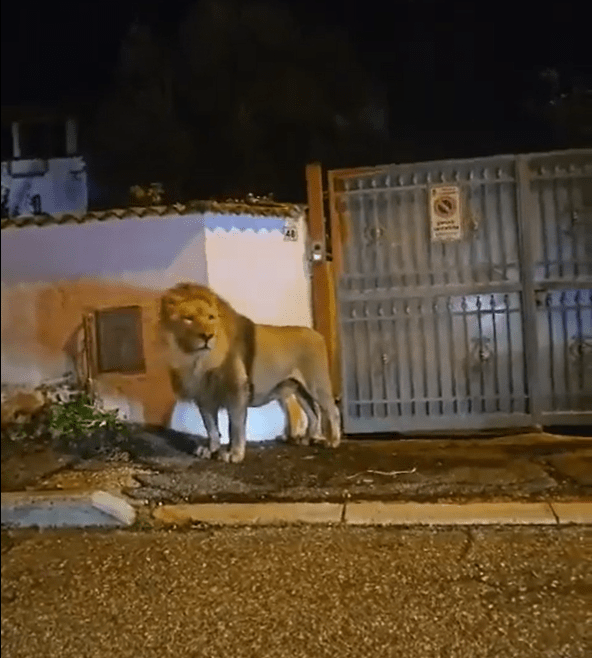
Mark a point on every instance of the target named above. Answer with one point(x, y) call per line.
point(324, 278)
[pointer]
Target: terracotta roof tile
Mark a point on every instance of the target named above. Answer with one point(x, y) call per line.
point(233, 207)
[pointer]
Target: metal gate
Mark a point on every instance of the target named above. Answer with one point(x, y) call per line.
point(465, 292)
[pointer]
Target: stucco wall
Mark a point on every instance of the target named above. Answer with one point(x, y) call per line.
point(278, 290)
point(153, 252)
point(52, 275)
point(41, 335)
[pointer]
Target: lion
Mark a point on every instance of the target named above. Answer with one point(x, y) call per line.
point(220, 359)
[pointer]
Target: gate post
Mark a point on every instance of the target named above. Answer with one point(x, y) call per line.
point(323, 284)
point(526, 214)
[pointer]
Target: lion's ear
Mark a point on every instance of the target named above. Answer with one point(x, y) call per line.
point(165, 307)
point(221, 307)
point(185, 287)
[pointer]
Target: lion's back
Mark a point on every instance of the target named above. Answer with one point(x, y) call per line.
point(282, 351)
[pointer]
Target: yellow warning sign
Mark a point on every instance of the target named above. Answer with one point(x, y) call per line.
point(445, 214)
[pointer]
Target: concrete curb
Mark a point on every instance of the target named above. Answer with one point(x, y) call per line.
point(367, 513)
point(399, 513)
point(100, 508)
point(65, 509)
point(579, 512)
point(249, 513)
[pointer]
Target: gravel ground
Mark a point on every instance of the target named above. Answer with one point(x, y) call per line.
point(299, 592)
point(159, 467)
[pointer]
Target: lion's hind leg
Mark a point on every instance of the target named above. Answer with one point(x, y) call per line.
point(282, 393)
point(318, 404)
point(295, 428)
point(331, 412)
point(312, 409)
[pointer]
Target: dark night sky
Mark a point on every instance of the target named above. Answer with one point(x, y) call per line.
point(452, 69)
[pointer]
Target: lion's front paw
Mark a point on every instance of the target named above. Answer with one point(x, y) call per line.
point(206, 452)
point(328, 441)
point(231, 456)
point(295, 440)
point(317, 440)
point(333, 442)
point(203, 452)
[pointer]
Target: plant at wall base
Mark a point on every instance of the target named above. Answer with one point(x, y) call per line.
point(62, 412)
point(82, 417)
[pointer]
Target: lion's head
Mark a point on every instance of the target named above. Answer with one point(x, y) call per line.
point(194, 315)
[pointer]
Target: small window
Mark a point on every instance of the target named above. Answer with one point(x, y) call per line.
point(120, 346)
point(31, 140)
point(42, 139)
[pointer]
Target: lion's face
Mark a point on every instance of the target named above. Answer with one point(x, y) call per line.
point(194, 321)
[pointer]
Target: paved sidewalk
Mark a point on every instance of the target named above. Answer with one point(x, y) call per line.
point(157, 472)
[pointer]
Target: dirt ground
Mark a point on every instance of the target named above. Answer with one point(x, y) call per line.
point(158, 467)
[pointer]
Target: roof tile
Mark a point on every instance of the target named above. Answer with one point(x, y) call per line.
point(232, 207)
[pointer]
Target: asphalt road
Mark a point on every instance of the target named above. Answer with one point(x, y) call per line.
point(299, 592)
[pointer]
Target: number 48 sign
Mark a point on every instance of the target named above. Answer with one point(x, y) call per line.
point(290, 232)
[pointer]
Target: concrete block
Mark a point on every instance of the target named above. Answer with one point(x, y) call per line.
point(249, 513)
point(115, 506)
point(478, 513)
point(58, 509)
point(574, 512)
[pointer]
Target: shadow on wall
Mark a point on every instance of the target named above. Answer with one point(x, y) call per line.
point(263, 423)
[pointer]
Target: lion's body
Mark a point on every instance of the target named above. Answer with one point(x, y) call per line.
point(222, 360)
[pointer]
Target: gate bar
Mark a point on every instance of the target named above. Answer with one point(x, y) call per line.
point(526, 215)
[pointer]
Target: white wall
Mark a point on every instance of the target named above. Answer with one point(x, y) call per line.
point(260, 274)
point(152, 252)
point(59, 182)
